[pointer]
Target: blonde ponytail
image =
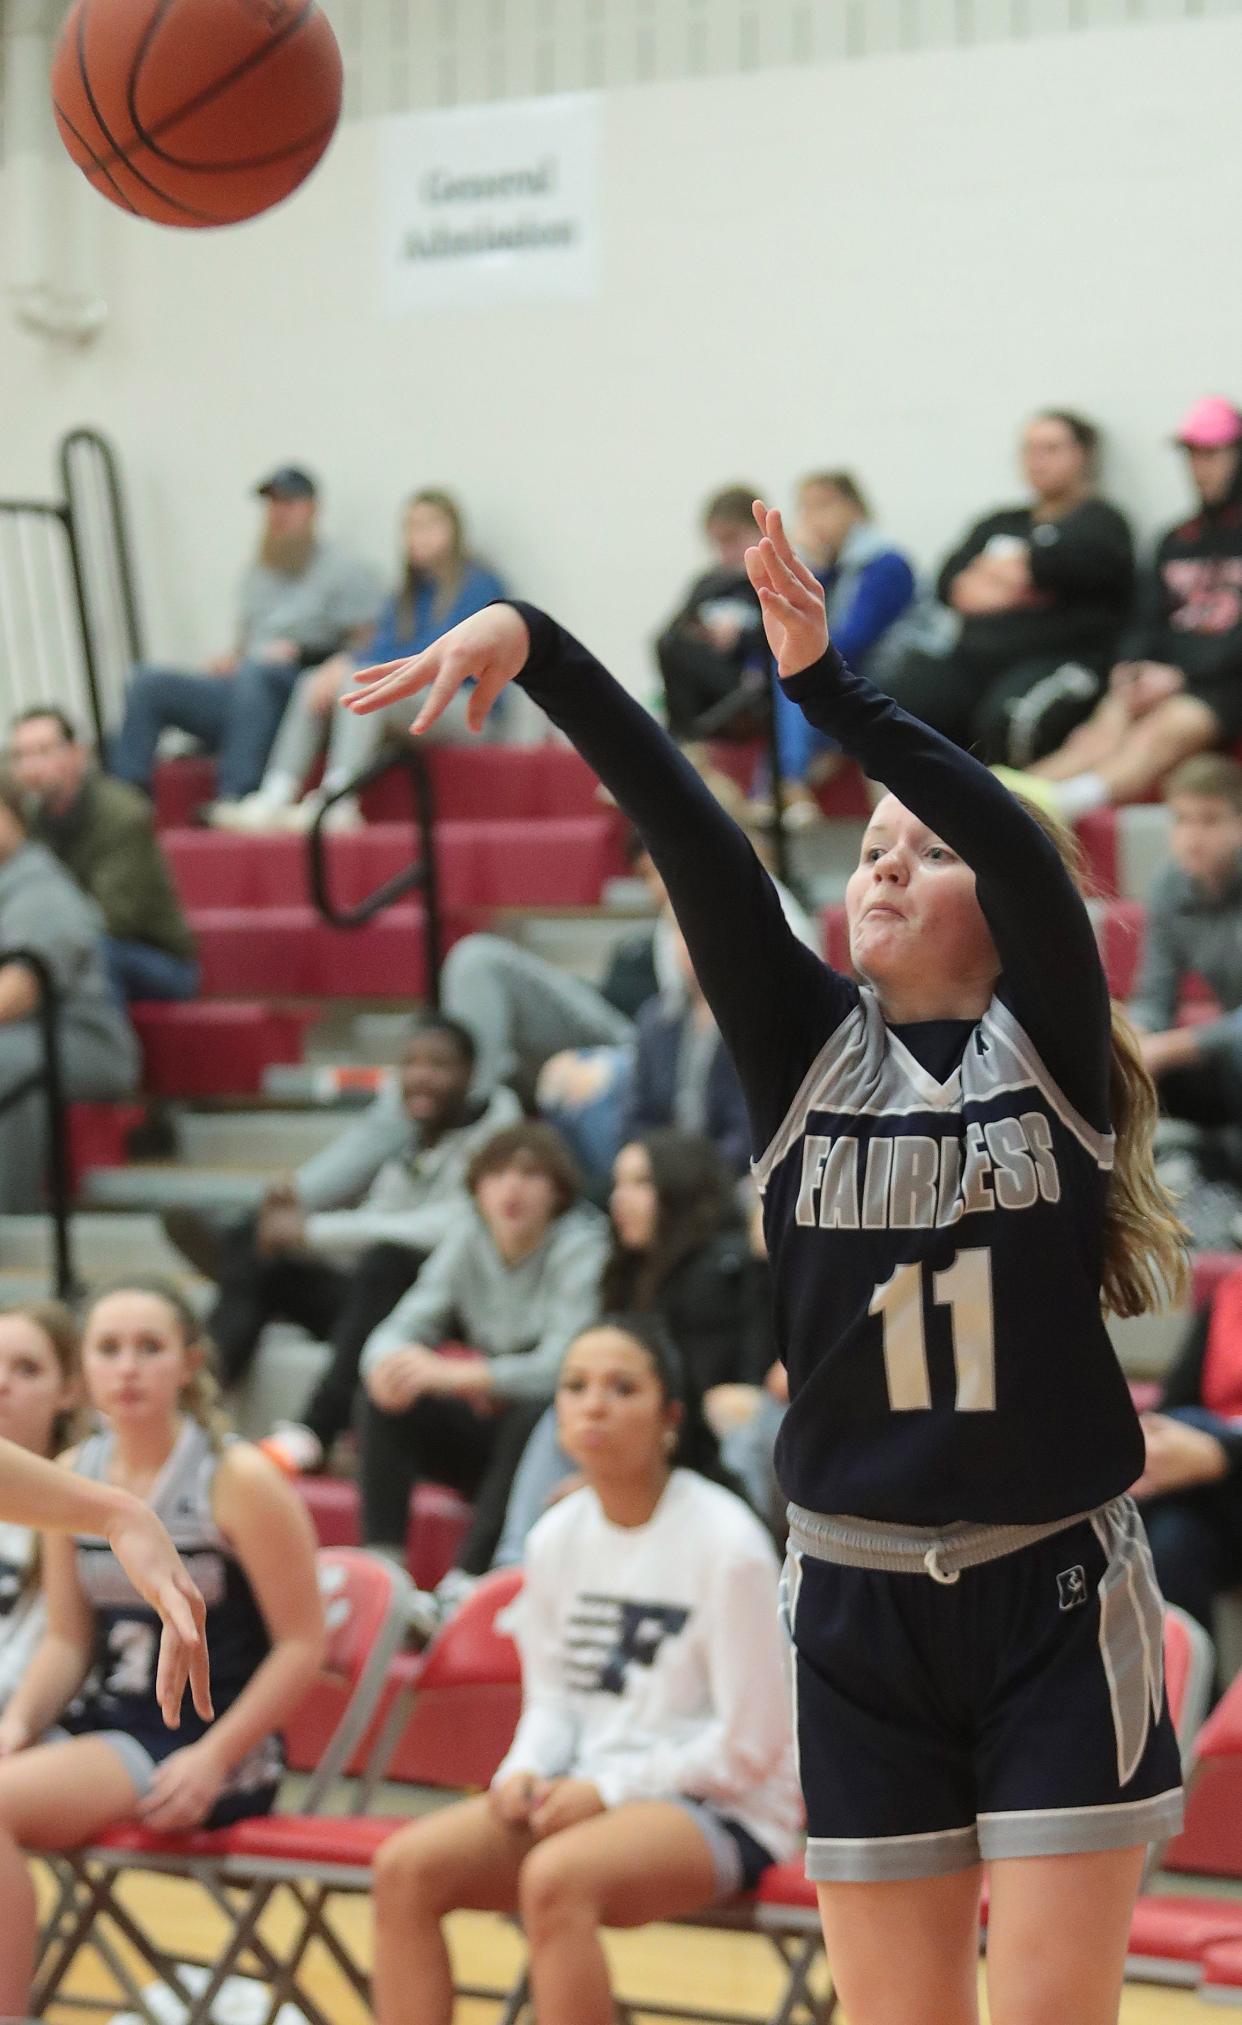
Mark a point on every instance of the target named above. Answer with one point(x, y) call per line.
point(1146, 1264)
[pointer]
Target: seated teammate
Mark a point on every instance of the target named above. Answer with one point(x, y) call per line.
point(652, 1773)
point(111, 1758)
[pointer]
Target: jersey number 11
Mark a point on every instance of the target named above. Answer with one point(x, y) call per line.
point(965, 1289)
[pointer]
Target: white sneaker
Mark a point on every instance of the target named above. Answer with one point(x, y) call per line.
point(255, 815)
point(293, 1448)
point(342, 818)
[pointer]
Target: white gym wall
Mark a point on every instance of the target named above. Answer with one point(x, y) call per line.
point(813, 252)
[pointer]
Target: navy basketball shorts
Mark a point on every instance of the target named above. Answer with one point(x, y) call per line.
point(1017, 1709)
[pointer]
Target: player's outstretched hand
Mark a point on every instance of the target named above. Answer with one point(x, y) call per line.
point(155, 1568)
point(492, 645)
point(791, 597)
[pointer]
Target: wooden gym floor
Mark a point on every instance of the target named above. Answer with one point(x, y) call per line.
point(737, 1970)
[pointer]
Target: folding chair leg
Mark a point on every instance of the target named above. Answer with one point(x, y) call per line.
point(800, 2005)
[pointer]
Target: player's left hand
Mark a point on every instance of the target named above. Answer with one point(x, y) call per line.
point(184, 1790)
point(791, 596)
point(1178, 1456)
point(157, 1572)
point(565, 1802)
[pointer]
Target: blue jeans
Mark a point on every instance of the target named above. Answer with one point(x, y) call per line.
point(595, 1130)
point(797, 742)
point(235, 716)
point(137, 970)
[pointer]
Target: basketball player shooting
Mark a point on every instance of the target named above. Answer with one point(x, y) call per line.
point(954, 1154)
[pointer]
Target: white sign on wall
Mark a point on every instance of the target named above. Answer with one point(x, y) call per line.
point(490, 204)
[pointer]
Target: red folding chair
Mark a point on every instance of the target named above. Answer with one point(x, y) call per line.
point(366, 1602)
point(467, 1689)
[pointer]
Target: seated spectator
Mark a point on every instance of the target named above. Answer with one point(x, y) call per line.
point(868, 584)
point(43, 911)
point(1194, 930)
point(1191, 1487)
point(716, 637)
point(39, 1392)
point(112, 1759)
point(525, 1011)
point(514, 1281)
point(683, 1074)
point(441, 584)
point(679, 1253)
point(301, 599)
point(1176, 688)
point(652, 1773)
point(1038, 593)
point(103, 834)
point(334, 1247)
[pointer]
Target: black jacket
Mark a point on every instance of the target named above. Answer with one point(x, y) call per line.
point(1082, 565)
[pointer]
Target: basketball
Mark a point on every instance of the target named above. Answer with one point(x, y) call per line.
point(196, 112)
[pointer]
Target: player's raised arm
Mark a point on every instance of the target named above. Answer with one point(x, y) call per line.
point(773, 1000)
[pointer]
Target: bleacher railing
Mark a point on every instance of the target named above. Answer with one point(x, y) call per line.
point(421, 876)
point(69, 624)
point(50, 1080)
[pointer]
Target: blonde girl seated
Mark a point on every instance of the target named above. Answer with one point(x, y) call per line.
point(247, 1540)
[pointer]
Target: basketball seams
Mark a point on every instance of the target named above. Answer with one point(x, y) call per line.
point(208, 93)
point(105, 163)
point(94, 161)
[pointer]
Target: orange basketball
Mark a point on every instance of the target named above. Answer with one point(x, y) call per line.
point(196, 112)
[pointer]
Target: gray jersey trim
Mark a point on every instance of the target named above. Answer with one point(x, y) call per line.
point(865, 1070)
point(885, 1859)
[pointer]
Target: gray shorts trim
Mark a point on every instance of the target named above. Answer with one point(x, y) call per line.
point(725, 1854)
point(136, 1759)
point(1058, 1831)
point(941, 1552)
point(890, 1859)
point(1069, 1831)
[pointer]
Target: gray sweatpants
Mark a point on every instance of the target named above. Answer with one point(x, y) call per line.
point(352, 742)
point(522, 1009)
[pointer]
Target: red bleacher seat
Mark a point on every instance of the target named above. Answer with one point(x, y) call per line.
point(96, 1136)
point(437, 1524)
point(470, 780)
point(484, 863)
point(292, 952)
point(203, 1050)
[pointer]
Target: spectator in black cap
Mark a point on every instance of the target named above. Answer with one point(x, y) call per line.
point(301, 600)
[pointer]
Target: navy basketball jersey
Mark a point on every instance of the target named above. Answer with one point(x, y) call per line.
point(22, 1615)
point(120, 1692)
point(937, 1252)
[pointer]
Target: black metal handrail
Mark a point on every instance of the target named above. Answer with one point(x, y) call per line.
point(96, 556)
point(51, 1080)
point(118, 563)
point(423, 875)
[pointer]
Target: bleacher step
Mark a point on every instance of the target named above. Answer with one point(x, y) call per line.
point(152, 1188)
point(261, 1139)
point(103, 1246)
